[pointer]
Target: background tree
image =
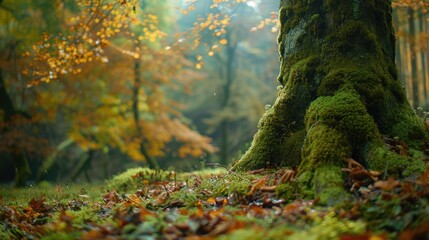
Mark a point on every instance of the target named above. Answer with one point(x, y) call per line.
point(340, 95)
point(87, 109)
point(21, 25)
point(410, 20)
point(237, 59)
point(139, 120)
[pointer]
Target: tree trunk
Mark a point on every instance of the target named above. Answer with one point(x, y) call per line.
point(151, 161)
point(340, 94)
point(413, 73)
point(231, 51)
point(422, 22)
point(22, 167)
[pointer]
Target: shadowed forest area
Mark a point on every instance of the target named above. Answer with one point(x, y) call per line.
point(206, 119)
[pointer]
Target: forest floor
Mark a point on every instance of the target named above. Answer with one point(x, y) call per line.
point(213, 204)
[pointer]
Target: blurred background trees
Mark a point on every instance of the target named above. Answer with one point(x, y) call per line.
point(412, 52)
point(89, 88)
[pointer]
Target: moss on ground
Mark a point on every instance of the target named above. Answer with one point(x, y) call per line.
point(243, 212)
point(392, 164)
point(134, 178)
point(289, 191)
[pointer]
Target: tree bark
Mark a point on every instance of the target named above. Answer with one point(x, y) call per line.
point(340, 94)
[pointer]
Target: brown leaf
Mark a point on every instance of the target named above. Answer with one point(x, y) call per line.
point(133, 200)
point(111, 197)
point(388, 185)
point(288, 175)
point(257, 185)
point(256, 211)
point(268, 188)
point(38, 205)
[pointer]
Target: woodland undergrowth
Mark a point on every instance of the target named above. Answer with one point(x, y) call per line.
point(216, 204)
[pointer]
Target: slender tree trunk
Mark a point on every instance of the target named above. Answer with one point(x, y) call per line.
point(151, 161)
point(399, 60)
point(22, 168)
point(229, 77)
point(5, 102)
point(340, 95)
point(413, 73)
point(422, 21)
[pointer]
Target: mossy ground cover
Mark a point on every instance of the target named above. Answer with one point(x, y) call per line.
point(213, 204)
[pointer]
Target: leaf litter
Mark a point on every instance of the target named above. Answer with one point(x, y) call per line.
point(228, 205)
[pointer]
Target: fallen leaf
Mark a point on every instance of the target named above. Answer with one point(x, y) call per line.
point(387, 185)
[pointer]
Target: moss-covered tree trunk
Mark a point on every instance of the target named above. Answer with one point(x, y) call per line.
point(339, 96)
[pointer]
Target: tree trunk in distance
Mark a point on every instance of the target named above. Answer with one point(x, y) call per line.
point(151, 161)
point(22, 167)
point(231, 52)
point(422, 22)
point(339, 95)
point(413, 73)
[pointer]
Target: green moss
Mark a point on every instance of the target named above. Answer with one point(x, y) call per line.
point(61, 235)
point(345, 112)
point(368, 85)
point(237, 184)
point(324, 145)
point(233, 183)
point(329, 227)
point(299, 72)
point(408, 126)
point(338, 127)
point(86, 214)
point(185, 195)
point(329, 185)
point(393, 164)
point(289, 191)
point(306, 184)
point(292, 147)
point(325, 183)
point(134, 178)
